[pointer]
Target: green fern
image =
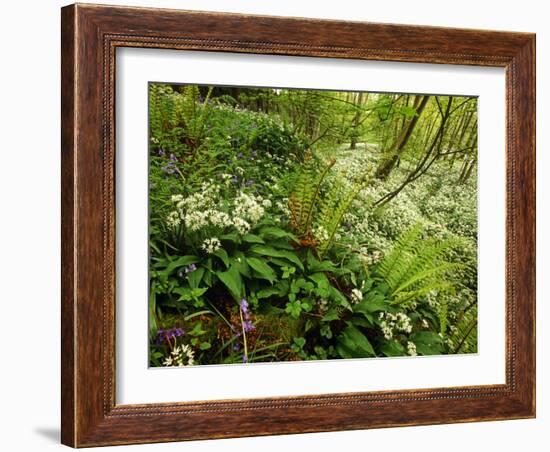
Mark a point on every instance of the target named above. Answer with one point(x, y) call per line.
point(169, 109)
point(333, 209)
point(416, 266)
point(304, 198)
point(464, 340)
point(309, 206)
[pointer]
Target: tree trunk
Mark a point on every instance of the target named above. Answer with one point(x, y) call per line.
point(385, 168)
point(355, 122)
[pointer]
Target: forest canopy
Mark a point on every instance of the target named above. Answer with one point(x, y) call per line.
point(292, 224)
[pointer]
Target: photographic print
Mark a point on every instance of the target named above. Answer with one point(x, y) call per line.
point(295, 224)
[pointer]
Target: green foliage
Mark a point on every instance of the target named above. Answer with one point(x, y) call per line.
point(177, 119)
point(266, 243)
point(309, 205)
point(416, 266)
point(305, 196)
point(464, 339)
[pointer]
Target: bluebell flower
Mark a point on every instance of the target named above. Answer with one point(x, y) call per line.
point(244, 306)
point(191, 268)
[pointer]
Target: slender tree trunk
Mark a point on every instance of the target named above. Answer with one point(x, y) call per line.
point(385, 168)
point(431, 155)
point(355, 122)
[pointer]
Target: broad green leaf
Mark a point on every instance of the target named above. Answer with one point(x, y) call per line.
point(331, 315)
point(222, 254)
point(351, 343)
point(233, 281)
point(276, 233)
point(251, 238)
point(265, 250)
point(268, 292)
point(195, 277)
point(239, 261)
point(231, 237)
point(181, 262)
point(320, 279)
point(280, 289)
point(427, 343)
point(392, 348)
point(263, 269)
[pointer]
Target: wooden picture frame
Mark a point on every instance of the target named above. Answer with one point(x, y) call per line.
point(90, 36)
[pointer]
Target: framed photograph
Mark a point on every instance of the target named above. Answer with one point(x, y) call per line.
point(281, 225)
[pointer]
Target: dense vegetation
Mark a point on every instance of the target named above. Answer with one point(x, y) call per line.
point(299, 225)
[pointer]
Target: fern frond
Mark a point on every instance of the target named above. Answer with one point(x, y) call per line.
point(303, 200)
point(334, 209)
point(416, 266)
point(465, 338)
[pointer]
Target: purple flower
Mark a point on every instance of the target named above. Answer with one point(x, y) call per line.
point(249, 183)
point(169, 168)
point(244, 306)
point(173, 157)
point(245, 359)
point(240, 155)
point(248, 326)
point(165, 336)
point(191, 268)
point(161, 152)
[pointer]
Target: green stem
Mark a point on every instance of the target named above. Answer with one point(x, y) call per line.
point(244, 335)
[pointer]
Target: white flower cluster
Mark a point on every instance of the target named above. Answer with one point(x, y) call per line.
point(181, 355)
point(392, 323)
point(369, 258)
point(411, 348)
point(206, 208)
point(356, 296)
point(249, 207)
point(323, 304)
point(432, 298)
point(283, 207)
point(321, 234)
point(211, 245)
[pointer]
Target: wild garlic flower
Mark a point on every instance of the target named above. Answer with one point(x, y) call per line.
point(241, 225)
point(403, 322)
point(208, 208)
point(211, 245)
point(387, 330)
point(321, 234)
point(394, 323)
point(411, 348)
point(369, 258)
point(356, 295)
point(181, 355)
